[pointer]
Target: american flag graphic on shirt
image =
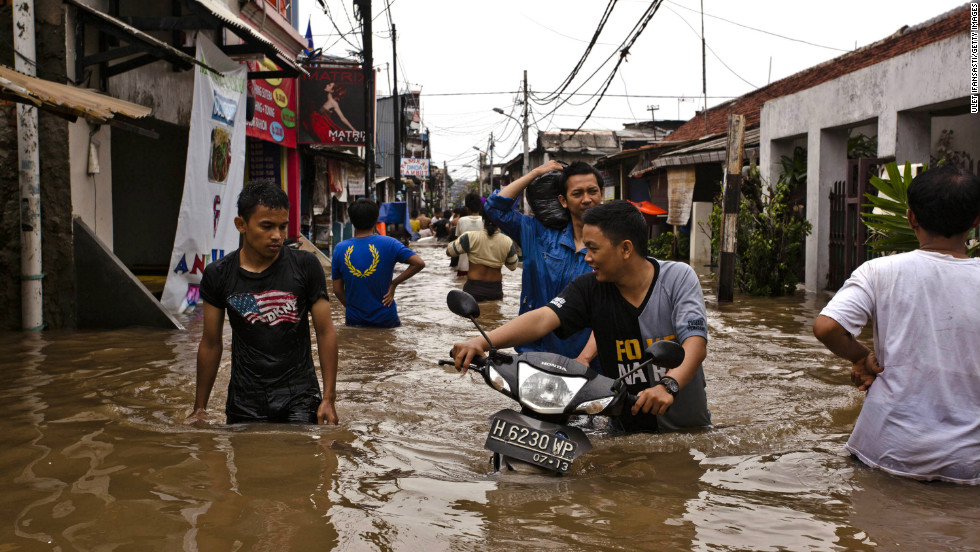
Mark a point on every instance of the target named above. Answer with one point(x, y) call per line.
point(270, 307)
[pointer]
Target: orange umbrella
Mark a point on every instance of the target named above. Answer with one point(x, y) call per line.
point(649, 208)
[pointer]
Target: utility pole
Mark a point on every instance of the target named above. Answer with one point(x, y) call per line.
point(490, 177)
point(364, 13)
point(704, 70)
point(397, 108)
point(31, 296)
point(527, 161)
point(653, 118)
point(732, 190)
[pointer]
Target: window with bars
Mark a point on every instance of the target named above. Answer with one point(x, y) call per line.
point(284, 7)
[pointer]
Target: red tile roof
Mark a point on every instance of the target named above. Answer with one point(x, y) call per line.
point(952, 23)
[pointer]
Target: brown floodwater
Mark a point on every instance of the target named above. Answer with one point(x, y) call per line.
point(95, 456)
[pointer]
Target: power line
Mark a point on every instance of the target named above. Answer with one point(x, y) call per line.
point(663, 96)
point(710, 50)
point(758, 30)
point(578, 66)
point(651, 11)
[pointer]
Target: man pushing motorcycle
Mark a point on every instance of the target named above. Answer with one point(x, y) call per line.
point(629, 300)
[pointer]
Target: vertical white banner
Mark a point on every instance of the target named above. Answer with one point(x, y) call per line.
point(213, 176)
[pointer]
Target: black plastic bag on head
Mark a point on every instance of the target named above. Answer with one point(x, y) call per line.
point(542, 196)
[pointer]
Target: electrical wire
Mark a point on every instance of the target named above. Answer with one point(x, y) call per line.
point(695, 31)
point(651, 11)
point(756, 29)
point(578, 66)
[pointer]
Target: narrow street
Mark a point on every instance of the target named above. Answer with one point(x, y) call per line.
point(97, 456)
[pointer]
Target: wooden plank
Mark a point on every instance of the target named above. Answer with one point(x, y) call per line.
point(730, 203)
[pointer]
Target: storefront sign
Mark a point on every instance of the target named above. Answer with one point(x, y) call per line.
point(264, 162)
point(212, 178)
point(275, 107)
point(355, 181)
point(412, 166)
point(332, 106)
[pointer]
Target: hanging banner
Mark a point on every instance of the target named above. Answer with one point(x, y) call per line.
point(274, 119)
point(355, 181)
point(412, 166)
point(332, 106)
point(680, 194)
point(213, 175)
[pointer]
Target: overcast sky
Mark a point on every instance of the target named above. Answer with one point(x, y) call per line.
point(468, 56)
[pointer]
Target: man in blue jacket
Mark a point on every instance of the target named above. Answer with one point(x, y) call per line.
point(552, 258)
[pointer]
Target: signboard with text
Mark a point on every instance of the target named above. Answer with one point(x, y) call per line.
point(275, 107)
point(332, 106)
point(412, 166)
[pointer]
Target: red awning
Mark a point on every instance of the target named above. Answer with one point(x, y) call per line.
point(648, 208)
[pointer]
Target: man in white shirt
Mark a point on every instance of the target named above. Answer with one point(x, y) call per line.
point(921, 416)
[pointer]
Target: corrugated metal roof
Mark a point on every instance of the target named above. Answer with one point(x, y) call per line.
point(231, 20)
point(600, 142)
point(65, 99)
point(706, 151)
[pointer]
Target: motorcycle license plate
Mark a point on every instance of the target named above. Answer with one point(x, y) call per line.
point(544, 448)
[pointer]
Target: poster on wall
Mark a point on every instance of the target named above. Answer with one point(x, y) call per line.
point(213, 175)
point(332, 106)
point(274, 119)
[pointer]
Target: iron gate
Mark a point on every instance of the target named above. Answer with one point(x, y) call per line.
point(848, 235)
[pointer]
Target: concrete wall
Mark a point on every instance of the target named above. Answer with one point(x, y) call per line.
point(700, 233)
point(157, 86)
point(58, 309)
point(91, 194)
point(890, 93)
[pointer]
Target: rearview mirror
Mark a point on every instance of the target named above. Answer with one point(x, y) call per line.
point(666, 353)
point(462, 304)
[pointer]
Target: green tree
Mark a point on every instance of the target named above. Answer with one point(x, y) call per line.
point(771, 231)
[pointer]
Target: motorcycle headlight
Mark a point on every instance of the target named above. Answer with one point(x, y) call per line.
point(496, 380)
point(594, 407)
point(546, 393)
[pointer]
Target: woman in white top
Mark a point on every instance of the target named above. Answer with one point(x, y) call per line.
point(488, 250)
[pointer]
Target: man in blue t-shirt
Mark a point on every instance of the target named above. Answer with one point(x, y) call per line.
point(363, 267)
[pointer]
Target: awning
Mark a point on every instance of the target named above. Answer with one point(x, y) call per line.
point(67, 101)
point(649, 208)
point(255, 43)
point(137, 41)
point(708, 151)
point(331, 152)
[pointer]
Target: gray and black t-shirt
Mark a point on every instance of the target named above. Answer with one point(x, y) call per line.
point(673, 309)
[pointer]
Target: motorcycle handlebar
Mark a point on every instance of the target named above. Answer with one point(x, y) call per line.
point(478, 363)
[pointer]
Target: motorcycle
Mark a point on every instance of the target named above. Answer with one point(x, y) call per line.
point(550, 389)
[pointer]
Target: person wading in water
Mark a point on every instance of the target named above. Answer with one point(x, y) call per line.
point(489, 250)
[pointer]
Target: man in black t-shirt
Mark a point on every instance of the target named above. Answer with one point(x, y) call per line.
point(629, 300)
point(269, 291)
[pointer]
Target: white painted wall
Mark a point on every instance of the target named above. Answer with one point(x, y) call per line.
point(91, 194)
point(934, 75)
